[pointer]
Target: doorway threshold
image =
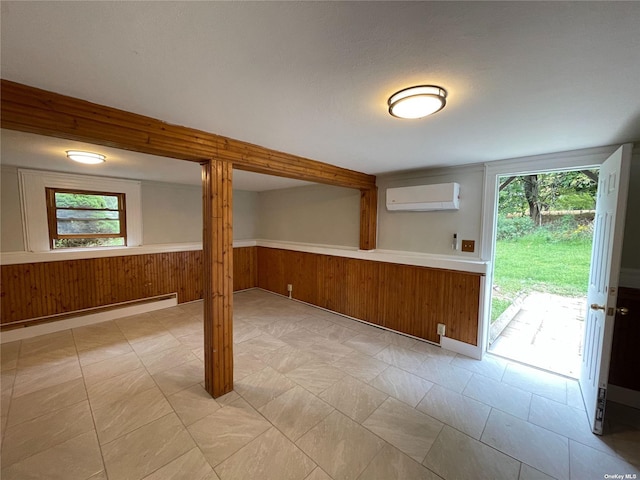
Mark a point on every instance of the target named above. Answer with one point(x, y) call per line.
point(546, 333)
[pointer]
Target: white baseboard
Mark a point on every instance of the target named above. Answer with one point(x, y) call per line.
point(83, 320)
point(462, 348)
point(623, 395)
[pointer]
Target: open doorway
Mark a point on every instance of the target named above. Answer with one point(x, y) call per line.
point(542, 246)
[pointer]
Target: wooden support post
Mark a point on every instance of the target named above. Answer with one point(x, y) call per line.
point(368, 218)
point(218, 276)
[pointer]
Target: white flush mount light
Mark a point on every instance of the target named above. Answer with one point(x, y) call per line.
point(85, 157)
point(417, 102)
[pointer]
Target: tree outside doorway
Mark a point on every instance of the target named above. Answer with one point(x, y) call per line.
point(543, 247)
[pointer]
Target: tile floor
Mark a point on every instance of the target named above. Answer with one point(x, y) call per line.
point(317, 396)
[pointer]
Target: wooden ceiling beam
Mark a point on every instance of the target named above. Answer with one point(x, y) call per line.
point(33, 110)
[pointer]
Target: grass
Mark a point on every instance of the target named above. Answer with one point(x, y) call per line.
point(536, 262)
point(498, 306)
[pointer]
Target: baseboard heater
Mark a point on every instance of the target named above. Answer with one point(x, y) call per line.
point(32, 327)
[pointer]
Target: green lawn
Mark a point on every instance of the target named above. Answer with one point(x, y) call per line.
point(533, 263)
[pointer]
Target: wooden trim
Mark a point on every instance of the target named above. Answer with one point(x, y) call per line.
point(368, 218)
point(218, 276)
point(52, 212)
point(33, 110)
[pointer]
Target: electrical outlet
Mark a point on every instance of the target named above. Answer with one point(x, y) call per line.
point(441, 329)
point(468, 245)
point(289, 287)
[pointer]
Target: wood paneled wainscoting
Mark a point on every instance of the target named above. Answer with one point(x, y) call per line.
point(35, 290)
point(409, 299)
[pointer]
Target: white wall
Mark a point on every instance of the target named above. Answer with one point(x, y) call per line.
point(320, 214)
point(171, 213)
point(432, 232)
point(245, 215)
point(331, 215)
point(630, 251)
point(11, 233)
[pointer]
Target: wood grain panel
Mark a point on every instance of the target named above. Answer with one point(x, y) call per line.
point(245, 268)
point(33, 110)
point(285, 267)
point(217, 255)
point(331, 289)
point(405, 298)
point(271, 274)
point(368, 218)
point(33, 290)
point(300, 268)
point(359, 301)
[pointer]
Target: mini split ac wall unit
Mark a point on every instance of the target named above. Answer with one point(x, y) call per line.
point(424, 198)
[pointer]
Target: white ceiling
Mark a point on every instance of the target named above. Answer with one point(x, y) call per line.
point(27, 150)
point(313, 78)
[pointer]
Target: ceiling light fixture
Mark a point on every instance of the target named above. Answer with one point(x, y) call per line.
point(85, 157)
point(417, 102)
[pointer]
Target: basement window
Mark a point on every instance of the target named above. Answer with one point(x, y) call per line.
point(82, 218)
point(62, 212)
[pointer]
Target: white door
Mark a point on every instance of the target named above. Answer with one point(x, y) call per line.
point(613, 183)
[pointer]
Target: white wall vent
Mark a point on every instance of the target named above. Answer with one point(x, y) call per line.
point(424, 198)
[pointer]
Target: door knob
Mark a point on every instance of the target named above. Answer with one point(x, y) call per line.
point(622, 310)
point(595, 306)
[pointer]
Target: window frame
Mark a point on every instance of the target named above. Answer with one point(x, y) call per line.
point(52, 217)
point(33, 201)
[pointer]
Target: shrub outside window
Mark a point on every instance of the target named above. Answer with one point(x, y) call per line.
point(81, 219)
